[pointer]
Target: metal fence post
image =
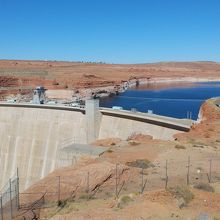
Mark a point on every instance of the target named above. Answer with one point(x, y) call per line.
point(1, 208)
point(10, 191)
point(210, 171)
point(17, 191)
point(188, 167)
point(166, 176)
point(88, 187)
point(142, 179)
point(143, 183)
point(116, 181)
point(58, 189)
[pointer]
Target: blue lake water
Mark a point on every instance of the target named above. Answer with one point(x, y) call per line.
point(173, 101)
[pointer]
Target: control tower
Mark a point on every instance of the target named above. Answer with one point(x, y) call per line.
point(39, 95)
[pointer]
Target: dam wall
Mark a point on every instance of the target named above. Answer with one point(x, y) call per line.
point(123, 128)
point(33, 136)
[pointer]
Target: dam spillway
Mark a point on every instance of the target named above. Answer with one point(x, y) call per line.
point(32, 136)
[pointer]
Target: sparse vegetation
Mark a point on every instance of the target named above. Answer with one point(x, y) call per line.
point(198, 146)
point(141, 163)
point(182, 192)
point(108, 194)
point(83, 197)
point(134, 143)
point(62, 203)
point(123, 200)
point(204, 187)
point(178, 146)
point(196, 142)
point(109, 151)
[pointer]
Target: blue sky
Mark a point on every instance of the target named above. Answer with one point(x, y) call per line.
point(112, 31)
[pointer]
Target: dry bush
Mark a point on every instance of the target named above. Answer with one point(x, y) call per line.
point(204, 187)
point(140, 163)
point(178, 146)
point(198, 146)
point(123, 200)
point(182, 192)
point(133, 143)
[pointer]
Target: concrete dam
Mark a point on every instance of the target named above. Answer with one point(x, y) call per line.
point(34, 137)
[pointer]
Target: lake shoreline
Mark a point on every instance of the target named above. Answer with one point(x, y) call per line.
point(113, 90)
point(172, 100)
point(159, 81)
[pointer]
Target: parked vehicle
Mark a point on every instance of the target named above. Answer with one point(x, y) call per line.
point(11, 101)
point(117, 108)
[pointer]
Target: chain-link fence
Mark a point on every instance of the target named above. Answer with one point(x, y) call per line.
point(115, 181)
point(124, 180)
point(9, 199)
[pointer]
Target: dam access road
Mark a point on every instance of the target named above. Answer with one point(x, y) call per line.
point(33, 136)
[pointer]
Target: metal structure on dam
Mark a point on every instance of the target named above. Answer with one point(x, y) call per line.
point(34, 137)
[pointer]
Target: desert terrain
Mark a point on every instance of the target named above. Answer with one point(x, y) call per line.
point(72, 79)
point(137, 178)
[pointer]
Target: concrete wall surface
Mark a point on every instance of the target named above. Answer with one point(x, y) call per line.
point(31, 138)
point(123, 128)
